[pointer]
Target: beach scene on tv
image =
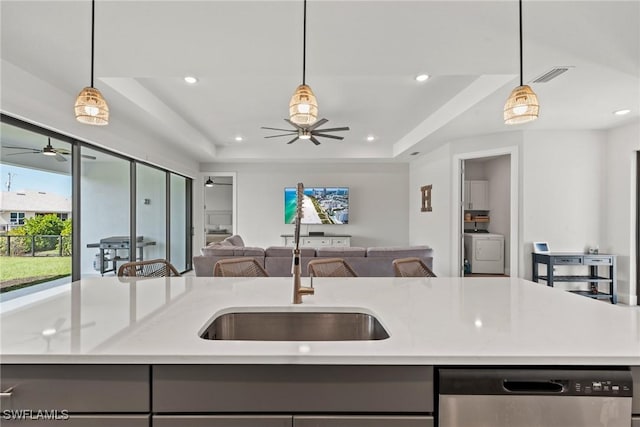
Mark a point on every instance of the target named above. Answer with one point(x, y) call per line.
point(320, 205)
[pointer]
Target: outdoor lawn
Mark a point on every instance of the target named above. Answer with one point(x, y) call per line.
point(17, 272)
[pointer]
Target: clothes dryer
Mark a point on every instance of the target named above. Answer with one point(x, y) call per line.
point(485, 252)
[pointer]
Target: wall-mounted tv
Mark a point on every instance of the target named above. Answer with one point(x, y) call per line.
point(320, 205)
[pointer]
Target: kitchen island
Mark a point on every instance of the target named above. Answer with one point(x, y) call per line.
point(128, 335)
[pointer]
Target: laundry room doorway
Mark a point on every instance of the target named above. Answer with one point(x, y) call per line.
point(487, 210)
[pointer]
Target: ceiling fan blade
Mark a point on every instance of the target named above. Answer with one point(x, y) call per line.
point(293, 140)
point(59, 157)
point(295, 125)
point(24, 152)
point(318, 123)
point(62, 151)
point(284, 134)
point(314, 140)
point(31, 150)
point(284, 130)
point(86, 156)
point(328, 136)
point(333, 129)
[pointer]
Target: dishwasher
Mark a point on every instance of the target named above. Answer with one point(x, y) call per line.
point(532, 397)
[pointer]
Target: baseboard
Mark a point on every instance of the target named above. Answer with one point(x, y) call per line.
point(627, 299)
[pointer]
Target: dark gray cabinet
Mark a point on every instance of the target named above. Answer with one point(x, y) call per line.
point(221, 421)
point(88, 395)
point(363, 421)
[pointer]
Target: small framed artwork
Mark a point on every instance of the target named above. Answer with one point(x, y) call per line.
point(541, 247)
point(426, 198)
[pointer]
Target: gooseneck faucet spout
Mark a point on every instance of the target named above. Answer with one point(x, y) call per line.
point(298, 289)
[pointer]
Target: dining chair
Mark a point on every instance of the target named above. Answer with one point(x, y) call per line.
point(411, 267)
point(149, 268)
point(330, 267)
point(239, 267)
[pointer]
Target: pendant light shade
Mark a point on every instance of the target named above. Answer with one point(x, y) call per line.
point(303, 107)
point(209, 182)
point(522, 105)
point(91, 107)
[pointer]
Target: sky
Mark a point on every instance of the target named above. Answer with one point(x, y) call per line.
point(30, 179)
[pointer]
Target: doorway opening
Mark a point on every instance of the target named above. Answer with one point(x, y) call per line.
point(219, 206)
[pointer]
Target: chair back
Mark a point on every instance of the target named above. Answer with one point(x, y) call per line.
point(150, 268)
point(411, 267)
point(239, 267)
point(330, 267)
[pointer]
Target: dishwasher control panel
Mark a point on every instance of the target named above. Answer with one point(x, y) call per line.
point(601, 387)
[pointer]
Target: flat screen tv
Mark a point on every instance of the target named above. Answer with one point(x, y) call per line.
point(320, 205)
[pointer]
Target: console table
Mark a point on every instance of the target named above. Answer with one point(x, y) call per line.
point(594, 262)
point(318, 241)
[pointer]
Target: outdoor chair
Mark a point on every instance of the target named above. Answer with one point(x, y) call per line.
point(150, 268)
point(239, 267)
point(411, 267)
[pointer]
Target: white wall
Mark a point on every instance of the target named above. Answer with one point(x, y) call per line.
point(378, 200)
point(618, 212)
point(432, 228)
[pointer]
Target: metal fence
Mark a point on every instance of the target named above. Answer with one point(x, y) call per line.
point(36, 245)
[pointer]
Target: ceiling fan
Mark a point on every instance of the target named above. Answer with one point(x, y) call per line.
point(211, 183)
point(310, 132)
point(48, 150)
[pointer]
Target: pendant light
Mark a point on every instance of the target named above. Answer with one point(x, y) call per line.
point(522, 105)
point(209, 183)
point(303, 107)
point(91, 108)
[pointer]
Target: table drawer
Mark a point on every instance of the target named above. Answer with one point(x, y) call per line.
point(597, 260)
point(568, 260)
point(76, 388)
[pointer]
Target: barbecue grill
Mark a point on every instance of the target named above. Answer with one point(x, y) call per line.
point(110, 247)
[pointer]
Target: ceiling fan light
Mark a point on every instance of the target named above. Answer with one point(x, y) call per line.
point(49, 151)
point(303, 107)
point(522, 106)
point(91, 107)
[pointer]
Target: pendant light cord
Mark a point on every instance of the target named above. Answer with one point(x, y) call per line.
point(93, 10)
point(520, 22)
point(304, 41)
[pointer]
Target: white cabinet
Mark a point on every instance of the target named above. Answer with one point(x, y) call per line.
point(318, 241)
point(476, 195)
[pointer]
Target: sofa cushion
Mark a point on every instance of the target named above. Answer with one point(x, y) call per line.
point(341, 252)
point(249, 251)
point(400, 251)
point(218, 250)
point(235, 240)
point(287, 251)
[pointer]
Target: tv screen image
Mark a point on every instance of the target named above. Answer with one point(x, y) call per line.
point(320, 205)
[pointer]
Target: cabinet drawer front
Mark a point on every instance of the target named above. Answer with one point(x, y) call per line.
point(77, 388)
point(291, 388)
point(598, 260)
point(339, 242)
point(362, 421)
point(86, 421)
point(221, 421)
point(577, 260)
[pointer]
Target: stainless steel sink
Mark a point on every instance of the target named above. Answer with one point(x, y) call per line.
point(295, 326)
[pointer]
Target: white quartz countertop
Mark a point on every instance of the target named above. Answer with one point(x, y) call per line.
point(431, 321)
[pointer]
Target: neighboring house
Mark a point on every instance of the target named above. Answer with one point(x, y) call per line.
point(17, 206)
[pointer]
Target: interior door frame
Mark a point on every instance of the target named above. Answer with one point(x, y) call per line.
point(457, 231)
point(234, 201)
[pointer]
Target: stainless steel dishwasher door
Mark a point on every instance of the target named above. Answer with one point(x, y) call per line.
point(534, 398)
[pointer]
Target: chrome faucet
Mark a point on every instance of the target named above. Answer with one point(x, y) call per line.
point(298, 289)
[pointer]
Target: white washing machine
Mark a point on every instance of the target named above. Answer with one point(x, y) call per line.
point(485, 252)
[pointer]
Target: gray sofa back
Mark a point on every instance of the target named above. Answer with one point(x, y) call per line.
point(366, 262)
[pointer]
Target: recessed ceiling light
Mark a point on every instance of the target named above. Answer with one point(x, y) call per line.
point(415, 153)
point(621, 112)
point(191, 80)
point(371, 138)
point(239, 138)
point(422, 77)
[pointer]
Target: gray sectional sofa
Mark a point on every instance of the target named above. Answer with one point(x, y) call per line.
point(366, 262)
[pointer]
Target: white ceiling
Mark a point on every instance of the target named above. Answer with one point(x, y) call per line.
point(362, 57)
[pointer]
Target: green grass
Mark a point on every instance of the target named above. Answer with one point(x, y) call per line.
point(23, 271)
